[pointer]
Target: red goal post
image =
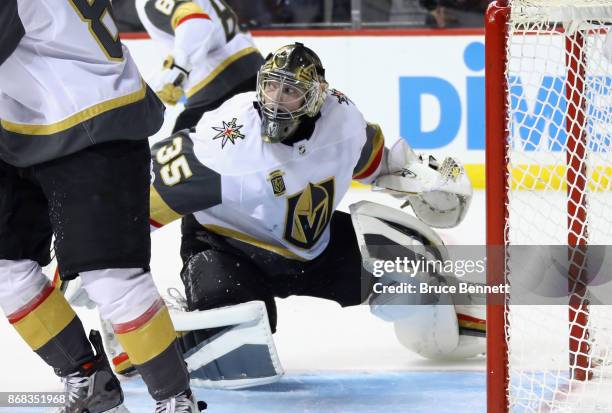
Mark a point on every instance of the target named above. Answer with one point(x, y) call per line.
point(547, 185)
point(496, 92)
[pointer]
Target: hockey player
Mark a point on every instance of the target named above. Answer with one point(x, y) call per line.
point(263, 176)
point(210, 59)
point(74, 163)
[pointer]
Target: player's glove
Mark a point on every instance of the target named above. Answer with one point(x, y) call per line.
point(439, 193)
point(168, 84)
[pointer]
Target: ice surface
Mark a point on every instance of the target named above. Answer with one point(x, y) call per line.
point(403, 392)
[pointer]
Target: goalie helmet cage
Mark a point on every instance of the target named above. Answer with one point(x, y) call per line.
point(549, 182)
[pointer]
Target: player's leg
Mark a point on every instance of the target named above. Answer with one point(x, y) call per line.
point(37, 311)
point(189, 117)
point(98, 202)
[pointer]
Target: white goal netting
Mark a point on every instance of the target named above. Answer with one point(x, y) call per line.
point(559, 159)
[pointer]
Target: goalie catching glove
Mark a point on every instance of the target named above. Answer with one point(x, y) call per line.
point(168, 84)
point(439, 194)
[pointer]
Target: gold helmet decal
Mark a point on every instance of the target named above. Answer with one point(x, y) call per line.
point(280, 59)
point(297, 61)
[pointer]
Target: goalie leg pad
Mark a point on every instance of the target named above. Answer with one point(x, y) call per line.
point(241, 353)
point(429, 330)
point(225, 348)
point(428, 324)
point(445, 332)
point(382, 233)
point(389, 226)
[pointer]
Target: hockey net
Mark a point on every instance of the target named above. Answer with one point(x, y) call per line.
point(549, 183)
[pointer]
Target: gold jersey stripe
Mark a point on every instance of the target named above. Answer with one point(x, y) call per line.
point(149, 340)
point(45, 321)
point(202, 83)
point(159, 210)
point(230, 233)
point(183, 11)
point(77, 118)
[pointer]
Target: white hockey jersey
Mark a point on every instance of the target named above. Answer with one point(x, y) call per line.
point(67, 82)
point(223, 56)
point(275, 196)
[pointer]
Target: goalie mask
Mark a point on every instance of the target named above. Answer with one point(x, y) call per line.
point(290, 86)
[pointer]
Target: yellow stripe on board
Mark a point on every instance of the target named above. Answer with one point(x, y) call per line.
point(535, 177)
point(45, 321)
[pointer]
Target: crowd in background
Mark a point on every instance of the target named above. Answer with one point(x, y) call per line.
point(297, 14)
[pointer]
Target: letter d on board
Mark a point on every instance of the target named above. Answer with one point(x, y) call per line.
point(411, 111)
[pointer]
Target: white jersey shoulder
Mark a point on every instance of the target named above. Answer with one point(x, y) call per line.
point(342, 117)
point(226, 138)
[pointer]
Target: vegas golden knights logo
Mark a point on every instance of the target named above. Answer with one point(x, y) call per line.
point(278, 184)
point(308, 213)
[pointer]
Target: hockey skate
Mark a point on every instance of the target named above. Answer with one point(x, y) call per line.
point(183, 402)
point(93, 388)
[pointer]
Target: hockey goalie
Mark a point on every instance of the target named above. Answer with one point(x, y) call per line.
point(257, 185)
